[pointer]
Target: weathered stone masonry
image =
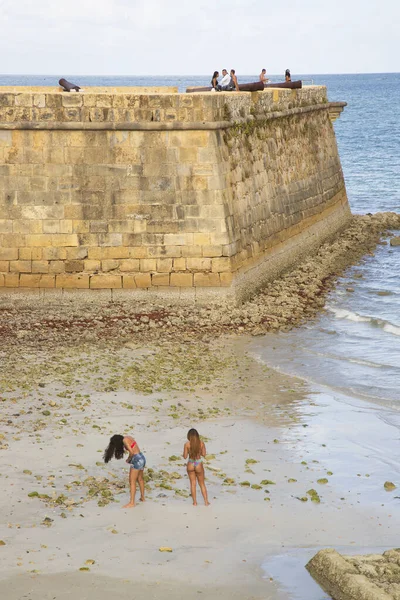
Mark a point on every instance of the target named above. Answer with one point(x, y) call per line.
point(203, 195)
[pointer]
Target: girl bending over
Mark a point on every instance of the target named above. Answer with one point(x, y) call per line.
point(120, 444)
point(195, 449)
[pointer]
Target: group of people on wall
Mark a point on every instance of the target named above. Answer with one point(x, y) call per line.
point(229, 82)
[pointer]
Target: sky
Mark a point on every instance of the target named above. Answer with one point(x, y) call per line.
point(156, 37)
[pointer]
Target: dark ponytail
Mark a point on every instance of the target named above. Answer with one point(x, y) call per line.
point(115, 448)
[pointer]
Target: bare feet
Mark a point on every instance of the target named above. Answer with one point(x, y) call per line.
point(194, 503)
point(142, 499)
point(129, 505)
point(207, 503)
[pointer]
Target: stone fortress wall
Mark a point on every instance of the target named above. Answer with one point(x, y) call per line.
point(205, 196)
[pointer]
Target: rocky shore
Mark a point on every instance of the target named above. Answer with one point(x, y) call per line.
point(283, 304)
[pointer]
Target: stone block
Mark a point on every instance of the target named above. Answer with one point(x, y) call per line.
point(130, 265)
point(9, 253)
point(143, 280)
point(105, 282)
point(6, 226)
point(25, 254)
point(29, 281)
point(181, 280)
point(4, 266)
point(212, 251)
point(47, 281)
point(201, 239)
point(198, 264)
point(69, 281)
point(12, 240)
point(206, 280)
point(160, 279)
point(221, 265)
point(72, 99)
point(138, 252)
point(109, 265)
point(66, 226)
point(148, 264)
point(179, 264)
point(80, 226)
point(20, 266)
point(40, 266)
point(57, 266)
point(164, 265)
point(51, 226)
point(11, 280)
point(76, 253)
point(74, 266)
point(128, 282)
point(110, 239)
point(63, 239)
point(91, 265)
point(54, 253)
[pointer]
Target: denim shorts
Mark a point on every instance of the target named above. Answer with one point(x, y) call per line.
point(138, 461)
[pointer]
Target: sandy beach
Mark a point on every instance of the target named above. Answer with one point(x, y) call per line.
point(63, 524)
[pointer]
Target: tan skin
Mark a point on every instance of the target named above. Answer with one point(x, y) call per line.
point(263, 76)
point(134, 474)
point(235, 81)
point(196, 474)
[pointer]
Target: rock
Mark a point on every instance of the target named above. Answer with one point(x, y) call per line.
point(389, 486)
point(395, 241)
point(349, 289)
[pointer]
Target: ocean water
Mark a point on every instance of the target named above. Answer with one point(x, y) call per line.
point(354, 345)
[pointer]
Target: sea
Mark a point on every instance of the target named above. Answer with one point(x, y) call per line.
point(354, 345)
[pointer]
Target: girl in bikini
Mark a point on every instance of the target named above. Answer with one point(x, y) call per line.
point(120, 444)
point(194, 450)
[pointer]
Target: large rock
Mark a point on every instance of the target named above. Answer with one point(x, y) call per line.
point(352, 577)
point(395, 241)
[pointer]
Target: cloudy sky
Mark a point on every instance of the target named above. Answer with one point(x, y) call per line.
point(143, 37)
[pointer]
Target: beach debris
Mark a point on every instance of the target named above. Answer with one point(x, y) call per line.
point(255, 486)
point(174, 458)
point(292, 480)
point(90, 561)
point(27, 472)
point(302, 498)
point(229, 481)
point(47, 521)
point(165, 549)
point(251, 461)
point(314, 496)
point(276, 441)
point(2, 543)
point(322, 481)
point(46, 413)
point(114, 531)
point(267, 499)
point(84, 569)
point(245, 483)
point(267, 482)
point(330, 473)
point(389, 486)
